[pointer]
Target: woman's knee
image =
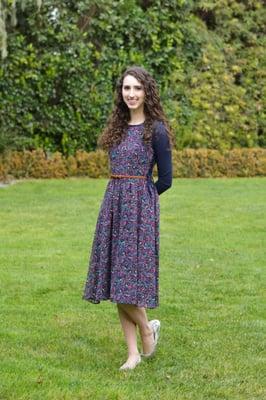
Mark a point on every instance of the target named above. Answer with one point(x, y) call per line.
point(124, 305)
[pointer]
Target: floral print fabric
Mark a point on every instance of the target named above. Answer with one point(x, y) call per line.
point(124, 260)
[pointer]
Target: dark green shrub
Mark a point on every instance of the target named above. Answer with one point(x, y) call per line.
point(56, 85)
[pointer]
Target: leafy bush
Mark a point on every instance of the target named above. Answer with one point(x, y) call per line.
point(56, 85)
point(188, 163)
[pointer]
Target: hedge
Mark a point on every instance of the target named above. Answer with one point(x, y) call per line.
point(188, 163)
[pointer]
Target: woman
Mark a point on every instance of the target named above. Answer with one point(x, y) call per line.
point(124, 261)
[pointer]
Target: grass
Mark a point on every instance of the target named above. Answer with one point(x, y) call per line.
point(54, 345)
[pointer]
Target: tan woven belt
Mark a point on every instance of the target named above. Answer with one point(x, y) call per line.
point(127, 176)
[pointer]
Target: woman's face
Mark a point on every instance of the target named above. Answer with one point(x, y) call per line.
point(133, 93)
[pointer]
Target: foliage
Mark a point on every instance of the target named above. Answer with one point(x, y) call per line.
point(57, 83)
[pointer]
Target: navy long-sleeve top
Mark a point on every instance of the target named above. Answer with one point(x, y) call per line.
point(163, 157)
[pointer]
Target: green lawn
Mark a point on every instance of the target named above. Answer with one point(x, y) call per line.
point(54, 345)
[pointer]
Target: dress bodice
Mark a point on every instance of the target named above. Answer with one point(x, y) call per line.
point(131, 156)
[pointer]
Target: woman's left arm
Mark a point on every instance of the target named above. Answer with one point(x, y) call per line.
point(163, 158)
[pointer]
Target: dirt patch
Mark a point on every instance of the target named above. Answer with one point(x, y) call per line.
point(7, 183)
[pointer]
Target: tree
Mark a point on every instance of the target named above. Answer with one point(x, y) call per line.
point(8, 10)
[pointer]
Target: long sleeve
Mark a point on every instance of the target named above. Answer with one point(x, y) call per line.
point(163, 157)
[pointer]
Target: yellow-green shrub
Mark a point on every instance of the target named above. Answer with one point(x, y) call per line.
point(188, 163)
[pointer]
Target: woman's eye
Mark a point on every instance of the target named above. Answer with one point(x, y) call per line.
point(128, 88)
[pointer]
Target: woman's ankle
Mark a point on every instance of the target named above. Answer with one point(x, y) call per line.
point(133, 354)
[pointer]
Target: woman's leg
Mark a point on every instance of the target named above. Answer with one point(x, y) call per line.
point(130, 330)
point(138, 316)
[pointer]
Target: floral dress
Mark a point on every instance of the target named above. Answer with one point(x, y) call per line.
point(124, 259)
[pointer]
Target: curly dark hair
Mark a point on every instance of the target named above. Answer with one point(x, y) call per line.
point(117, 123)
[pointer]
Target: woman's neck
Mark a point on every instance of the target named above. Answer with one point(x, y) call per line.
point(136, 117)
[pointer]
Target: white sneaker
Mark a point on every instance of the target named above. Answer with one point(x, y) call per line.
point(128, 365)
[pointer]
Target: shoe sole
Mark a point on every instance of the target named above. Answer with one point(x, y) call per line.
point(156, 325)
